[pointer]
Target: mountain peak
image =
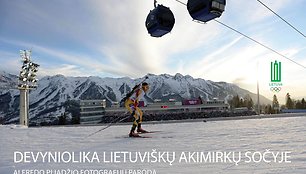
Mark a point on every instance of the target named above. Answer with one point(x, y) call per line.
point(53, 91)
point(166, 76)
point(178, 75)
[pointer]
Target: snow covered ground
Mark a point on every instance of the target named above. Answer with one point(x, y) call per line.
point(271, 145)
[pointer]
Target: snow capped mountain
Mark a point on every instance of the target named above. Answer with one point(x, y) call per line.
point(7, 81)
point(47, 100)
point(8, 93)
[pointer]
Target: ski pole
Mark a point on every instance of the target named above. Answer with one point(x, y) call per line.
point(116, 121)
point(109, 125)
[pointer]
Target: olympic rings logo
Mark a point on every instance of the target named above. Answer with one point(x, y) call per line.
point(275, 89)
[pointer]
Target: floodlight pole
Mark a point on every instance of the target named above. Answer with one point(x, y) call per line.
point(27, 81)
point(24, 107)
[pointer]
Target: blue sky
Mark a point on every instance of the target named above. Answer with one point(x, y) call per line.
point(109, 39)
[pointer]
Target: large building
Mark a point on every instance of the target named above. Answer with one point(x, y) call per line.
point(92, 111)
point(193, 105)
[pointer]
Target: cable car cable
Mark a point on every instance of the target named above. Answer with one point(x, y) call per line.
point(181, 2)
point(250, 38)
point(263, 45)
point(282, 18)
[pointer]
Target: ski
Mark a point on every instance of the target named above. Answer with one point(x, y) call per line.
point(109, 125)
point(149, 132)
point(140, 137)
point(118, 120)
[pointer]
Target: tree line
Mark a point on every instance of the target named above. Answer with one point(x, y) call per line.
point(295, 104)
point(273, 108)
point(71, 107)
point(238, 102)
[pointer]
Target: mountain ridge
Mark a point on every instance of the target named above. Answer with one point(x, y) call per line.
point(53, 91)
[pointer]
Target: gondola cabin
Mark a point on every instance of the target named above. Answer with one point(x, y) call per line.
point(160, 21)
point(205, 10)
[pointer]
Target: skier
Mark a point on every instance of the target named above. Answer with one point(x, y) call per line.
point(131, 104)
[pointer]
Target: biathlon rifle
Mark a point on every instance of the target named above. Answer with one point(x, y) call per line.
point(128, 95)
point(119, 119)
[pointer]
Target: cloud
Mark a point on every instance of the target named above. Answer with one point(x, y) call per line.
point(239, 80)
point(135, 50)
point(212, 60)
point(116, 32)
point(10, 62)
point(89, 63)
point(110, 39)
point(67, 70)
point(250, 12)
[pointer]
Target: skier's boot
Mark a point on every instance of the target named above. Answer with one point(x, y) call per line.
point(133, 134)
point(140, 130)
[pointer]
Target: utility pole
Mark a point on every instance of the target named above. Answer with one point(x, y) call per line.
point(27, 81)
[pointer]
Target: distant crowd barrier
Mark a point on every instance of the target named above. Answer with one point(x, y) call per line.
point(161, 116)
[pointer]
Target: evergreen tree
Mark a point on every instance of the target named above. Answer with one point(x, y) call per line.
point(237, 102)
point(275, 104)
point(1, 120)
point(73, 107)
point(268, 109)
point(298, 105)
point(283, 107)
point(289, 102)
point(241, 103)
point(234, 103)
point(303, 103)
point(62, 119)
point(248, 102)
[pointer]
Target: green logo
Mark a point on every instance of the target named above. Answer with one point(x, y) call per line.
point(276, 71)
point(276, 76)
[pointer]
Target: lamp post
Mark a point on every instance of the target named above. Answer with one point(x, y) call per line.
point(27, 80)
